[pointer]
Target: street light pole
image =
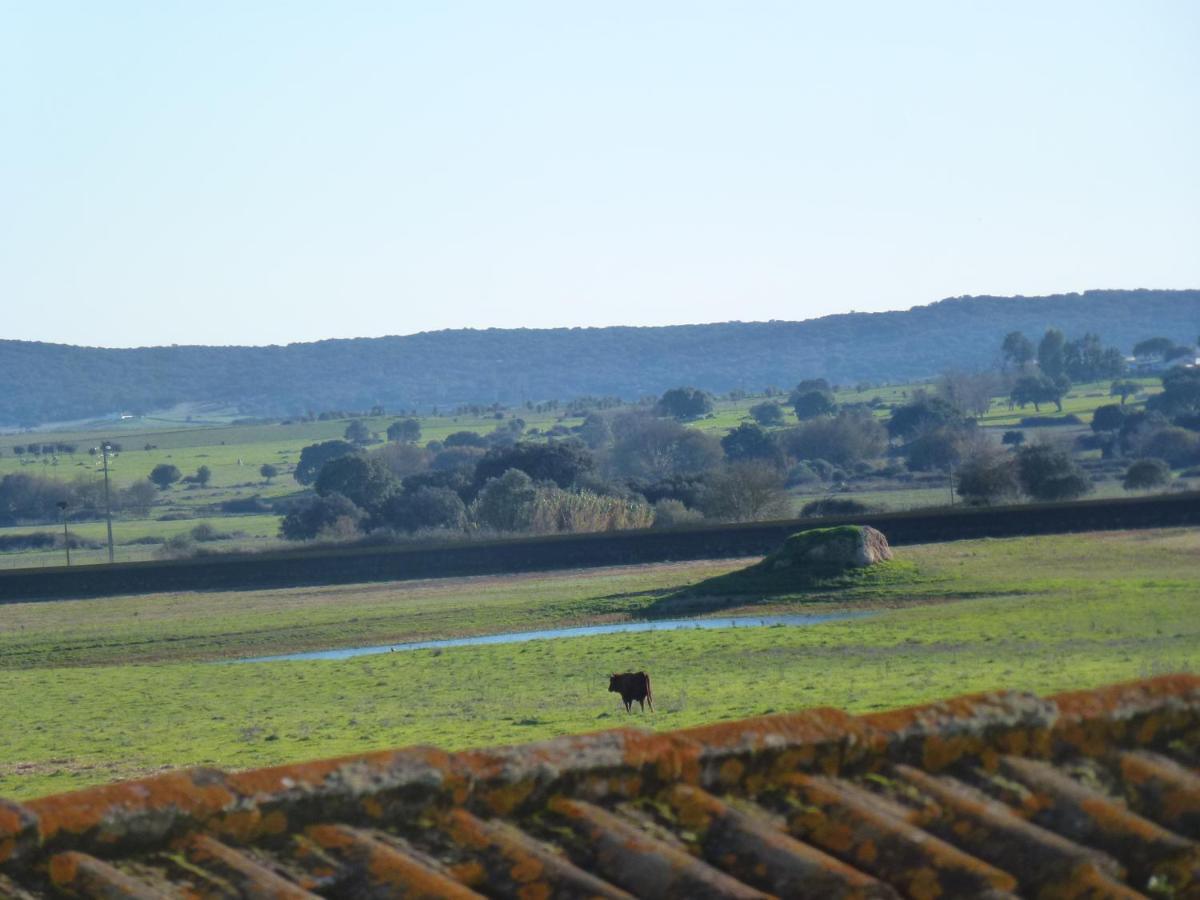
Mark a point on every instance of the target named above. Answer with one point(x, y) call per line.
point(104, 448)
point(62, 504)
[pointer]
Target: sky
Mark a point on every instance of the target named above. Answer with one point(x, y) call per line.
point(254, 173)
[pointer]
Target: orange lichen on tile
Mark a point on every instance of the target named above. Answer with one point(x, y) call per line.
point(133, 813)
point(981, 795)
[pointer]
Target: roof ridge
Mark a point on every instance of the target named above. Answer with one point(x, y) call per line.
point(252, 803)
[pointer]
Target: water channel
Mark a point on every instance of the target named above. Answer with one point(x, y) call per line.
point(516, 637)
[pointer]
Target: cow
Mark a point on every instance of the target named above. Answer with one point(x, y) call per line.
point(632, 686)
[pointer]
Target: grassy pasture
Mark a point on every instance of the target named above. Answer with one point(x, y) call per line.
point(100, 689)
point(234, 454)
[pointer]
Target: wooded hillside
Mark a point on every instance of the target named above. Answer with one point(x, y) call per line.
point(42, 382)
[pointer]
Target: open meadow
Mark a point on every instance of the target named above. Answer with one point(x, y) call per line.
point(103, 689)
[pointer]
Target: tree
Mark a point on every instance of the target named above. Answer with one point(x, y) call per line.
point(1050, 353)
point(404, 431)
point(203, 476)
point(137, 498)
point(1086, 359)
point(751, 442)
point(402, 460)
point(684, 403)
point(361, 479)
point(164, 475)
point(1144, 474)
point(506, 503)
point(811, 404)
point(1039, 389)
point(332, 513)
point(969, 392)
point(847, 438)
point(1177, 446)
point(987, 475)
point(466, 439)
point(357, 432)
point(746, 491)
point(1155, 346)
point(935, 449)
point(813, 384)
point(1180, 394)
point(1049, 473)
point(767, 414)
point(314, 456)
point(595, 431)
point(563, 462)
point(921, 414)
point(1017, 349)
point(425, 508)
point(1109, 417)
point(1124, 390)
point(650, 449)
point(268, 471)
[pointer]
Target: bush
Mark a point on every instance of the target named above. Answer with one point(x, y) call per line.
point(314, 456)
point(332, 512)
point(1050, 421)
point(254, 504)
point(672, 513)
point(204, 533)
point(987, 475)
point(1177, 446)
point(425, 508)
point(684, 403)
point(1145, 474)
point(1048, 473)
point(767, 414)
point(164, 475)
point(834, 506)
point(843, 439)
point(746, 492)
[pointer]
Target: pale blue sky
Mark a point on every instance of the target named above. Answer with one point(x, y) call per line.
point(245, 172)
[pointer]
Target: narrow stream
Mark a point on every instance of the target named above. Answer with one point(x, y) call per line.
point(516, 637)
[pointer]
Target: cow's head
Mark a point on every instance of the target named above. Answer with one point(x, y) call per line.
point(612, 683)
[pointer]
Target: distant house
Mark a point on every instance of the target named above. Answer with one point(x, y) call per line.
point(1154, 363)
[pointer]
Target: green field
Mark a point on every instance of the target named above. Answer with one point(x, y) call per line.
point(103, 689)
point(234, 454)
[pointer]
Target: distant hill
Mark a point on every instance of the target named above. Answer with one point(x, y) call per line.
point(42, 382)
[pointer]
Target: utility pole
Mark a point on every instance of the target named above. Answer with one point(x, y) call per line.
point(104, 448)
point(62, 504)
point(951, 484)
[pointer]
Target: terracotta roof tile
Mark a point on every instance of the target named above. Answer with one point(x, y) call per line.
point(1086, 794)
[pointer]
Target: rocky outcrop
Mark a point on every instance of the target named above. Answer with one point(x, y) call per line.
point(843, 547)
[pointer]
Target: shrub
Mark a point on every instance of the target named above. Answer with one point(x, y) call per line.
point(671, 513)
point(1050, 421)
point(1177, 446)
point(164, 475)
point(987, 475)
point(319, 515)
point(767, 414)
point(1048, 473)
point(1144, 474)
point(834, 506)
point(746, 492)
point(425, 508)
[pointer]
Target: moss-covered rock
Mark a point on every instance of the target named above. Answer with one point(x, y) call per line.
point(825, 549)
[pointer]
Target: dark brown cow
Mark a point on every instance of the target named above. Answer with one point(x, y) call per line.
point(632, 686)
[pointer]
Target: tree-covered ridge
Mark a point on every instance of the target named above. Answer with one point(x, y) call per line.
point(42, 382)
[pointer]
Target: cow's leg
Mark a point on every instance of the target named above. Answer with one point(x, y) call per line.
point(629, 705)
point(642, 700)
point(650, 700)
